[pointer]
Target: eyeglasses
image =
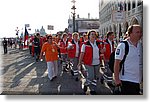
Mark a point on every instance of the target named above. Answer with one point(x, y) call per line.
point(92, 33)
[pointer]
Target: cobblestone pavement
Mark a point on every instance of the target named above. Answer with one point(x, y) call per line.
point(21, 74)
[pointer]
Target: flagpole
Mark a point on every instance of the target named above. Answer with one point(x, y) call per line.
point(17, 32)
point(26, 34)
point(24, 38)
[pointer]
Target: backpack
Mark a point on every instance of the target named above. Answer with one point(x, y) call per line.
point(112, 58)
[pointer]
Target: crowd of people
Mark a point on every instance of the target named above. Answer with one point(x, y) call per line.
point(91, 51)
point(13, 43)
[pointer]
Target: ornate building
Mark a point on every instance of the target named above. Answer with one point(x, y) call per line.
point(41, 31)
point(83, 24)
point(117, 15)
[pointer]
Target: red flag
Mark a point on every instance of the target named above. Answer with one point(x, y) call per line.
point(26, 34)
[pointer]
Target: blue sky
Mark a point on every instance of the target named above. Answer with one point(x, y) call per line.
point(37, 13)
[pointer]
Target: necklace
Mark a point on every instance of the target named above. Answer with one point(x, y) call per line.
point(51, 47)
point(53, 50)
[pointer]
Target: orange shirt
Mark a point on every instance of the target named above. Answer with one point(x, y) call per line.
point(51, 53)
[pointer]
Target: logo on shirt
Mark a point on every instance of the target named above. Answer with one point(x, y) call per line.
point(118, 52)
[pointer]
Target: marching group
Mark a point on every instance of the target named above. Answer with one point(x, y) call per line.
point(91, 52)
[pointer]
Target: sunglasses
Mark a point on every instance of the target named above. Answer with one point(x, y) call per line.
point(49, 38)
point(92, 33)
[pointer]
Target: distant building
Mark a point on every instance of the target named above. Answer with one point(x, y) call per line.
point(83, 24)
point(109, 10)
point(41, 31)
point(37, 30)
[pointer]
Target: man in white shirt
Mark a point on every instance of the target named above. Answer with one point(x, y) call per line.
point(130, 81)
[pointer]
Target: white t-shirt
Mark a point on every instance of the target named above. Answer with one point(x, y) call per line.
point(77, 48)
point(132, 64)
point(95, 60)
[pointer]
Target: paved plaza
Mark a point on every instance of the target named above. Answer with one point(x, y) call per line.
point(22, 75)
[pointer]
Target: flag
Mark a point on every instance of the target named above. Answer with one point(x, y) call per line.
point(26, 34)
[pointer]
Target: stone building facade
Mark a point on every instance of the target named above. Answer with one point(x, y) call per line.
point(130, 10)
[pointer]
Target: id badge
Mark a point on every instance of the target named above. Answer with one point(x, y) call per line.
point(53, 50)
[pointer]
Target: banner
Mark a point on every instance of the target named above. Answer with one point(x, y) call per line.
point(27, 25)
point(50, 27)
point(118, 16)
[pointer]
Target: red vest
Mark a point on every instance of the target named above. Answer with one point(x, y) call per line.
point(72, 52)
point(63, 47)
point(88, 54)
point(101, 47)
point(108, 49)
point(41, 42)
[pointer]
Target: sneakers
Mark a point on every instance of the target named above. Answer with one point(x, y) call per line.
point(53, 78)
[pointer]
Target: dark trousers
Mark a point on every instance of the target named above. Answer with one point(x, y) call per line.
point(37, 52)
point(130, 88)
point(30, 49)
point(5, 49)
point(108, 75)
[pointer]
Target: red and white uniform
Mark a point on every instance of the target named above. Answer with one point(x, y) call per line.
point(91, 53)
point(109, 45)
point(74, 51)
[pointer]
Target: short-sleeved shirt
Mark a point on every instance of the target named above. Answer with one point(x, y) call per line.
point(132, 69)
point(51, 53)
point(95, 60)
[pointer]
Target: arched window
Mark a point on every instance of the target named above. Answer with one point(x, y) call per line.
point(134, 21)
point(139, 3)
point(129, 5)
point(133, 4)
point(125, 6)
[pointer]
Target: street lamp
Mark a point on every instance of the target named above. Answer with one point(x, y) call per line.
point(17, 32)
point(73, 8)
